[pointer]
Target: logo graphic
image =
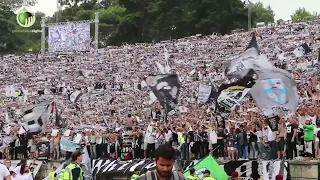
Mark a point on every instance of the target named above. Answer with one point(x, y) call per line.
point(276, 91)
point(25, 19)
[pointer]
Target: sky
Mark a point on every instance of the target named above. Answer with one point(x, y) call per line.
point(283, 9)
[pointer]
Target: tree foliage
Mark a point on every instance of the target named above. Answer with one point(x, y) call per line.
point(262, 14)
point(133, 21)
point(302, 15)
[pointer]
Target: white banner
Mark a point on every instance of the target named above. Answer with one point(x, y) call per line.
point(204, 93)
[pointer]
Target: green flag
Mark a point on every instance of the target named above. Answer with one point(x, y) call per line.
point(210, 164)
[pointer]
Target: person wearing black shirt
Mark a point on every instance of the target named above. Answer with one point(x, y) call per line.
point(220, 142)
point(196, 144)
point(204, 144)
point(292, 130)
point(253, 142)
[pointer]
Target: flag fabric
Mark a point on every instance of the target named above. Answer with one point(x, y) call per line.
point(230, 95)
point(104, 117)
point(273, 123)
point(280, 53)
point(275, 92)
point(302, 50)
point(253, 43)
point(75, 96)
point(208, 163)
point(239, 66)
point(152, 98)
point(166, 88)
point(86, 163)
point(167, 67)
point(161, 68)
point(35, 118)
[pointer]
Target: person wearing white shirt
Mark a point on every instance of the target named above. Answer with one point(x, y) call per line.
point(261, 143)
point(98, 145)
point(213, 139)
point(168, 135)
point(24, 173)
point(151, 147)
point(4, 172)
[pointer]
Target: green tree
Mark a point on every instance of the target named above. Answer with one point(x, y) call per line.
point(9, 42)
point(302, 15)
point(261, 14)
point(280, 21)
point(15, 4)
point(133, 21)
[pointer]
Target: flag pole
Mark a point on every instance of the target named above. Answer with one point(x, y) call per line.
point(165, 110)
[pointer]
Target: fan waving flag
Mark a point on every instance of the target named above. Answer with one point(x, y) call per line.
point(230, 95)
point(302, 50)
point(210, 164)
point(273, 123)
point(166, 88)
point(275, 92)
point(239, 66)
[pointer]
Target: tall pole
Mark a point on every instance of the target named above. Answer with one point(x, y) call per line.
point(165, 110)
point(58, 10)
point(96, 30)
point(249, 16)
point(43, 35)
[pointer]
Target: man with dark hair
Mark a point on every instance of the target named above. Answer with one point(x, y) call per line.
point(73, 171)
point(164, 160)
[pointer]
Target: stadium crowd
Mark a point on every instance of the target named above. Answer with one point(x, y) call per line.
point(115, 110)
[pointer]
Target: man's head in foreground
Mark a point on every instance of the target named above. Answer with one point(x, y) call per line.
point(164, 159)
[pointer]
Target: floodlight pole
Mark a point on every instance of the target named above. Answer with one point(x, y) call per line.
point(43, 35)
point(96, 30)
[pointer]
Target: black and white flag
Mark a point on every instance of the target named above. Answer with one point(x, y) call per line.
point(302, 50)
point(273, 123)
point(75, 96)
point(272, 168)
point(230, 95)
point(35, 118)
point(166, 88)
point(104, 117)
point(239, 66)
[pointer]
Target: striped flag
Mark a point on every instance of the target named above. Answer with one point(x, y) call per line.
point(104, 117)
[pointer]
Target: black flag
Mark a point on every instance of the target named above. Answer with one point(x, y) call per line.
point(273, 123)
point(253, 43)
point(166, 88)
